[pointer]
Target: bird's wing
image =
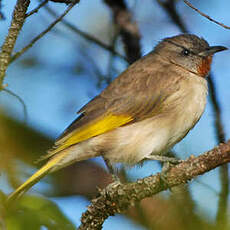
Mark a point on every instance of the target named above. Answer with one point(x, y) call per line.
point(138, 93)
point(135, 95)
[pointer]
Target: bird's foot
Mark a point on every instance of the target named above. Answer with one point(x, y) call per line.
point(164, 159)
point(168, 163)
point(115, 178)
point(165, 168)
point(113, 172)
point(115, 183)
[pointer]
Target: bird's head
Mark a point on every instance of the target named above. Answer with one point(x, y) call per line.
point(189, 52)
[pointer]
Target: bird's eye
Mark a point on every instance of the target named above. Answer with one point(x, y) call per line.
point(185, 52)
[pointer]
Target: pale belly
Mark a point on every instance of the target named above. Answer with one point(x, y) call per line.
point(133, 143)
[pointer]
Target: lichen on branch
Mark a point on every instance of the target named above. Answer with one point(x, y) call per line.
point(17, 22)
point(117, 198)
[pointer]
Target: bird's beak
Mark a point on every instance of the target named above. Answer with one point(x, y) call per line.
point(211, 50)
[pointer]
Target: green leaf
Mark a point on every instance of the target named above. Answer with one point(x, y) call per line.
point(33, 212)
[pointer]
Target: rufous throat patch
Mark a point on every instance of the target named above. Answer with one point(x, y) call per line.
point(204, 67)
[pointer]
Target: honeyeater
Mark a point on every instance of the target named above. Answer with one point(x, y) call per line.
point(145, 111)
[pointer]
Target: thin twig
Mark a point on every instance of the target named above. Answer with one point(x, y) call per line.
point(86, 35)
point(205, 15)
point(8, 45)
point(21, 101)
point(35, 10)
point(63, 1)
point(23, 50)
point(116, 198)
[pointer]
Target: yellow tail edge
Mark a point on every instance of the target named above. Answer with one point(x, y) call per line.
point(35, 177)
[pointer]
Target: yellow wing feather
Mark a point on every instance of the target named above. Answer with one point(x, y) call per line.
point(36, 177)
point(92, 129)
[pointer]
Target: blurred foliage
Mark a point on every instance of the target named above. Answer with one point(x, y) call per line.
point(19, 142)
point(33, 212)
point(26, 144)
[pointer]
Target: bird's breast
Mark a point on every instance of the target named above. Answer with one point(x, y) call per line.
point(188, 108)
point(132, 143)
point(193, 100)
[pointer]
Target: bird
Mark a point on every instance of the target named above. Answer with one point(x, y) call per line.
point(143, 113)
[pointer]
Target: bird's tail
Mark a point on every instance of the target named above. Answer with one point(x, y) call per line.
point(49, 166)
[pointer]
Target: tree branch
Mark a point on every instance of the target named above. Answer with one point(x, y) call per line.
point(116, 198)
point(23, 50)
point(127, 27)
point(63, 1)
point(85, 35)
point(36, 9)
point(205, 15)
point(25, 112)
point(8, 45)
